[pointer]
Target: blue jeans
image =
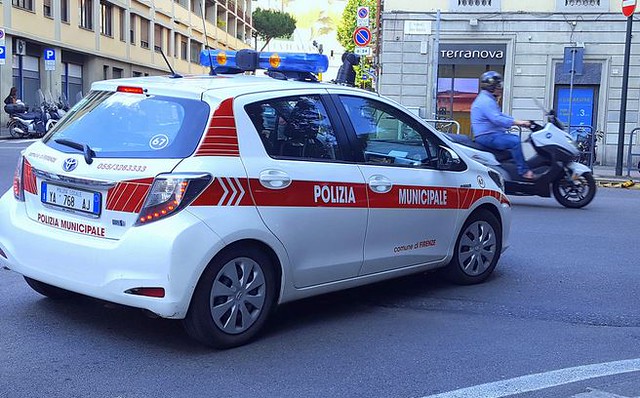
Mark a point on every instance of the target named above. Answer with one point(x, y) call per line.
point(504, 141)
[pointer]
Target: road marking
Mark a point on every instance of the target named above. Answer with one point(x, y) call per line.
point(541, 381)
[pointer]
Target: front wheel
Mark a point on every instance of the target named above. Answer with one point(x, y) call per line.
point(233, 298)
point(50, 124)
point(575, 193)
point(477, 249)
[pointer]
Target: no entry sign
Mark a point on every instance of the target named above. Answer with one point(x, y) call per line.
point(628, 7)
point(362, 36)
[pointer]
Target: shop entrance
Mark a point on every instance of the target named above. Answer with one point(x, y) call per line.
point(459, 70)
point(458, 86)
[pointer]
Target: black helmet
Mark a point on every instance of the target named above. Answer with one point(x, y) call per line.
point(490, 81)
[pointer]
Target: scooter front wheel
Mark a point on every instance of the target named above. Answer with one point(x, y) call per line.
point(575, 193)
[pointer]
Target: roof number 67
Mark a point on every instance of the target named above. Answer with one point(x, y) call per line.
point(158, 141)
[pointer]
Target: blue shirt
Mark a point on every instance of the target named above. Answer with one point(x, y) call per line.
point(486, 116)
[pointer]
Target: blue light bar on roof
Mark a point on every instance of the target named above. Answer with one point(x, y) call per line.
point(293, 62)
point(282, 62)
point(218, 58)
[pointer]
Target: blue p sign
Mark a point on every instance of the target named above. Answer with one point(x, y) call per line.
point(49, 54)
point(3, 52)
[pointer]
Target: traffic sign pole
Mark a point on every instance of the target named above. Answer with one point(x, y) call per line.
point(625, 89)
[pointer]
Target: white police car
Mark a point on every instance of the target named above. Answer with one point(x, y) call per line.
point(214, 198)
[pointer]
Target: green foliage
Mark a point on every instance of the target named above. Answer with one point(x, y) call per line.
point(345, 35)
point(271, 24)
point(348, 23)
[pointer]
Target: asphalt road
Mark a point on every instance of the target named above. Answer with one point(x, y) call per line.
point(564, 295)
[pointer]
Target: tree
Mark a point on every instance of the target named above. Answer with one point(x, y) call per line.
point(348, 23)
point(272, 24)
point(345, 34)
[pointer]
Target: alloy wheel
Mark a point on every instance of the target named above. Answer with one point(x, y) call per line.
point(238, 295)
point(477, 248)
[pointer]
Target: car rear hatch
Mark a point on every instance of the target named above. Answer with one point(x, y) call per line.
point(94, 173)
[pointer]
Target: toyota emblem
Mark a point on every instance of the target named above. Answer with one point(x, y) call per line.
point(69, 164)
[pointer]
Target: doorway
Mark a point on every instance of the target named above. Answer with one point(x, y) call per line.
point(458, 86)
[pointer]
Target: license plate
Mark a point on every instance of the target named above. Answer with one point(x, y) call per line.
point(71, 198)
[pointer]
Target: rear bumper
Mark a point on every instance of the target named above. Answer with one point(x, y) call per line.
point(170, 253)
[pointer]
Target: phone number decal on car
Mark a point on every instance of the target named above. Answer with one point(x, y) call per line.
point(122, 167)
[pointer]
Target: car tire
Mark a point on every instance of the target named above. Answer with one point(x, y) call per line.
point(233, 298)
point(47, 290)
point(477, 250)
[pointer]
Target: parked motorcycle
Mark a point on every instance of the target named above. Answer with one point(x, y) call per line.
point(571, 183)
point(587, 142)
point(34, 124)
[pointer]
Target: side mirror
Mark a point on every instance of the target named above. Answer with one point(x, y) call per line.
point(447, 158)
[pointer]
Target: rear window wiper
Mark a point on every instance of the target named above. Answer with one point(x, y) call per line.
point(89, 154)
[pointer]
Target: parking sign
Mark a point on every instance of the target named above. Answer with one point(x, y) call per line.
point(49, 59)
point(3, 55)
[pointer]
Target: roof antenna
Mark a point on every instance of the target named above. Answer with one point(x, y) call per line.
point(212, 71)
point(173, 73)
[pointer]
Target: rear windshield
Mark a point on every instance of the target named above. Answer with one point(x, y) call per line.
point(123, 125)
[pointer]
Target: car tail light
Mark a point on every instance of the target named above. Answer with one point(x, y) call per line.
point(18, 181)
point(130, 90)
point(171, 193)
point(157, 292)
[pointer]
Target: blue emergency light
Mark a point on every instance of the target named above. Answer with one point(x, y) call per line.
point(249, 60)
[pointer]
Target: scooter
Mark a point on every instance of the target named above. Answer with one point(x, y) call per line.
point(554, 164)
point(29, 124)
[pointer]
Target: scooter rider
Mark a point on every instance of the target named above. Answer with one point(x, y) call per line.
point(490, 125)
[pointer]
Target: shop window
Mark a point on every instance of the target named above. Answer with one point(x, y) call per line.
point(86, 14)
point(26, 4)
point(458, 86)
point(72, 82)
point(30, 80)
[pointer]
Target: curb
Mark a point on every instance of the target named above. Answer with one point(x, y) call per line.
point(625, 184)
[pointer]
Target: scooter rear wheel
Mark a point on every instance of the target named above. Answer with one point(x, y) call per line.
point(16, 129)
point(577, 193)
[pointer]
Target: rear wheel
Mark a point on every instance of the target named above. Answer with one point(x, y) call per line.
point(477, 249)
point(16, 129)
point(233, 298)
point(575, 193)
point(48, 290)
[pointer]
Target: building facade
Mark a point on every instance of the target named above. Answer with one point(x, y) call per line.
point(62, 46)
point(433, 66)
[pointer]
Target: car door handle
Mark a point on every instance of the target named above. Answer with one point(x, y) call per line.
point(274, 179)
point(380, 184)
